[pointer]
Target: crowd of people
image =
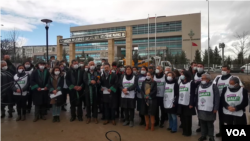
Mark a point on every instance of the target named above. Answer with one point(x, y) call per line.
point(158, 94)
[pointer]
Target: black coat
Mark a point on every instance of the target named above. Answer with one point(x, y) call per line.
point(128, 102)
point(74, 77)
point(173, 110)
point(39, 81)
point(185, 110)
point(6, 89)
point(60, 82)
point(111, 83)
point(152, 108)
point(91, 91)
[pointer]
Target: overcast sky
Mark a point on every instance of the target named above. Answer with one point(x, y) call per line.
point(226, 18)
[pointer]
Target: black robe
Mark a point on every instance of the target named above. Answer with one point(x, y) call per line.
point(173, 110)
point(111, 83)
point(74, 77)
point(6, 87)
point(185, 110)
point(60, 83)
point(40, 80)
point(91, 91)
point(152, 108)
point(128, 102)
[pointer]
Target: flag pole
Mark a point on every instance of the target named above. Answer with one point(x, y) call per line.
point(155, 34)
point(208, 38)
point(148, 36)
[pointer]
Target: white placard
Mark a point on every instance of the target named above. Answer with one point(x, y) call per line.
point(55, 95)
point(105, 90)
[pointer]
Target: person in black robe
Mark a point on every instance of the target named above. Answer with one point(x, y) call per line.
point(149, 100)
point(186, 112)
point(234, 87)
point(55, 85)
point(128, 103)
point(29, 68)
point(109, 97)
point(11, 67)
point(91, 81)
point(6, 92)
point(74, 80)
point(39, 86)
point(172, 112)
point(65, 88)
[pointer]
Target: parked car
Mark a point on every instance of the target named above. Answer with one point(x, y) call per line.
point(237, 70)
point(211, 69)
point(247, 70)
point(217, 69)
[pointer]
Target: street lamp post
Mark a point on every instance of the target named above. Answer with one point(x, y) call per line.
point(47, 22)
point(222, 46)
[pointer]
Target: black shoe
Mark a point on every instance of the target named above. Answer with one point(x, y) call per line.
point(161, 125)
point(218, 135)
point(72, 119)
point(102, 118)
point(142, 122)
point(198, 130)
point(202, 138)
point(54, 119)
point(36, 119)
point(80, 119)
point(10, 115)
point(18, 118)
point(63, 108)
point(180, 126)
point(173, 131)
point(43, 117)
point(23, 117)
point(211, 139)
point(3, 115)
point(58, 119)
point(28, 111)
point(156, 124)
point(169, 129)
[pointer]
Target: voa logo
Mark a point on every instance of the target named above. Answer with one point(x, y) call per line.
point(236, 132)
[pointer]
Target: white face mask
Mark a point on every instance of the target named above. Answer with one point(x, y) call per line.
point(27, 66)
point(5, 68)
point(182, 77)
point(231, 86)
point(75, 66)
point(223, 72)
point(113, 71)
point(134, 72)
point(92, 67)
point(102, 70)
point(195, 68)
point(166, 72)
point(169, 78)
point(143, 72)
point(122, 69)
point(53, 60)
point(200, 70)
point(81, 65)
point(86, 69)
point(57, 72)
point(20, 70)
point(148, 77)
point(157, 71)
point(41, 67)
point(64, 64)
point(203, 82)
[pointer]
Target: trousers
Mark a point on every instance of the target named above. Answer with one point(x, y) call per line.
point(186, 125)
point(109, 113)
point(92, 110)
point(207, 128)
point(40, 110)
point(172, 121)
point(56, 110)
point(129, 114)
point(163, 113)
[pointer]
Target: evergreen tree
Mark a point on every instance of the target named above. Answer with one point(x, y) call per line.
point(183, 58)
point(83, 54)
point(228, 61)
point(169, 57)
point(211, 56)
point(217, 58)
point(64, 55)
point(240, 56)
point(205, 57)
point(197, 56)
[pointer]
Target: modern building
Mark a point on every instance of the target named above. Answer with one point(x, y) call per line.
point(165, 32)
point(39, 50)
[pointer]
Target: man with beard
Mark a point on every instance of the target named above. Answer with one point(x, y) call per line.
point(75, 83)
point(6, 91)
point(91, 82)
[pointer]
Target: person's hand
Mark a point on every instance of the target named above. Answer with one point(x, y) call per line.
point(18, 91)
point(147, 97)
point(93, 82)
point(39, 89)
point(102, 89)
point(98, 81)
point(54, 92)
point(45, 88)
point(109, 90)
point(173, 105)
point(79, 88)
point(229, 108)
point(190, 106)
point(76, 87)
point(123, 90)
point(232, 109)
point(215, 111)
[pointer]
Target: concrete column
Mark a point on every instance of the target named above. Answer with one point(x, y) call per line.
point(129, 43)
point(72, 52)
point(111, 51)
point(59, 49)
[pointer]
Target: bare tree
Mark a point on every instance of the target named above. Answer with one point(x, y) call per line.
point(6, 47)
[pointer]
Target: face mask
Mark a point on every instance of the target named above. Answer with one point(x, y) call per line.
point(81, 65)
point(182, 77)
point(231, 86)
point(143, 72)
point(5, 68)
point(195, 68)
point(64, 64)
point(203, 82)
point(157, 71)
point(102, 63)
point(134, 72)
point(75, 66)
point(86, 69)
point(41, 67)
point(200, 70)
point(223, 72)
point(122, 69)
point(32, 61)
point(166, 72)
point(20, 70)
point(101, 70)
point(92, 67)
point(169, 78)
point(148, 77)
point(53, 60)
point(113, 71)
point(27, 66)
point(57, 72)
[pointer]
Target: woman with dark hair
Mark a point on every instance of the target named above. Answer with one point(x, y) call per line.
point(20, 91)
point(128, 84)
point(186, 102)
point(170, 100)
point(177, 76)
point(141, 78)
point(149, 100)
point(55, 86)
